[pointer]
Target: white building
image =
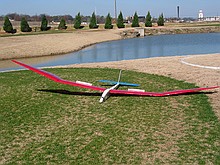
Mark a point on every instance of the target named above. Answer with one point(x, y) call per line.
point(202, 18)
point(217, 18)
point(201, 15)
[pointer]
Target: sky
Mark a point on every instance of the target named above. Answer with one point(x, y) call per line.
point(188, 8)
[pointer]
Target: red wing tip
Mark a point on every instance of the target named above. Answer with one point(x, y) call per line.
point(15, 61)
point(214, 87)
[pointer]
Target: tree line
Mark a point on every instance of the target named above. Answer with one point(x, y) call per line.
point(77, 22)
point(36, 18)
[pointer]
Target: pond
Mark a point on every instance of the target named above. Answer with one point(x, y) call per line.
point(147, 47)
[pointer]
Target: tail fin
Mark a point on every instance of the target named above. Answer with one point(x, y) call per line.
point(119, 76)
point(118, 82)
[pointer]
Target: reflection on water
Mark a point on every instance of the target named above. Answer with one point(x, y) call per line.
point(150, 46)
point(36, 61)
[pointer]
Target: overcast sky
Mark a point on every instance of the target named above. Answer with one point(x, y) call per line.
point(188, 8)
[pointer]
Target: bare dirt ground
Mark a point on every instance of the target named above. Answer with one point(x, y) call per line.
point(51, 44)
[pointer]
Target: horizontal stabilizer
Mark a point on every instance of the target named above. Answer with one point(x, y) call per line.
point(120, 83)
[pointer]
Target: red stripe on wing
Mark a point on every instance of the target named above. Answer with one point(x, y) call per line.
point(160, 94)
point(185, 91)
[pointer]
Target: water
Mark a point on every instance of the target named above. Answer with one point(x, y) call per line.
point(147, 47)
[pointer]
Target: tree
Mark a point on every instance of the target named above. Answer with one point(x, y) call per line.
point(77, 21)
point(135, 21)
point(108, 22)
point(8, 26)
point(44, 23)
point(148, 22)
point(160, 20)
point(62, 24)
point(120, 21)
point(24, 25)
point(93, 24)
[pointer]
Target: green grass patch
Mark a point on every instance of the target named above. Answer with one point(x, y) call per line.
point(45, 122)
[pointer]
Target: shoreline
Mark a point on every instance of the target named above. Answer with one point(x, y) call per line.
point(30, 46)
point(52, 54)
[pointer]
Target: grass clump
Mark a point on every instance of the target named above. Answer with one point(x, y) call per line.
point(42, 121)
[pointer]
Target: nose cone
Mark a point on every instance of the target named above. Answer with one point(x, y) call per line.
point(101, 100)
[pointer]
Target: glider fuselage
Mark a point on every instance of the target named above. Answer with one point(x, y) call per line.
point(106, 93)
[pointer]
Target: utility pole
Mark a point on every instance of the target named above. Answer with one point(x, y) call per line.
point(178, 12)
point(115, 11)
point(95, 15)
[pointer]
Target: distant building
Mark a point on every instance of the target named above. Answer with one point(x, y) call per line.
point(200, 15)
point(178, 12)
point(141, 18)
point(202, 18)
point(130, 18)
point(216, 18)
point(54, 23)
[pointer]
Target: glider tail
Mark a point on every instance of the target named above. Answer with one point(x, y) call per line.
point(119, 76)
point(110, 82)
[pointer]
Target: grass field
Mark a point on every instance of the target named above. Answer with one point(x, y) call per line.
point(43, 122)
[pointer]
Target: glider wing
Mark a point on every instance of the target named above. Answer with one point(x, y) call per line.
point(114, 91)
point(160, 94)
point(58, 79)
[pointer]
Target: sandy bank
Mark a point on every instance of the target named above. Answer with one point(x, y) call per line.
point(51, 44)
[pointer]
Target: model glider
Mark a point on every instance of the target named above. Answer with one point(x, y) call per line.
point(106, 92)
